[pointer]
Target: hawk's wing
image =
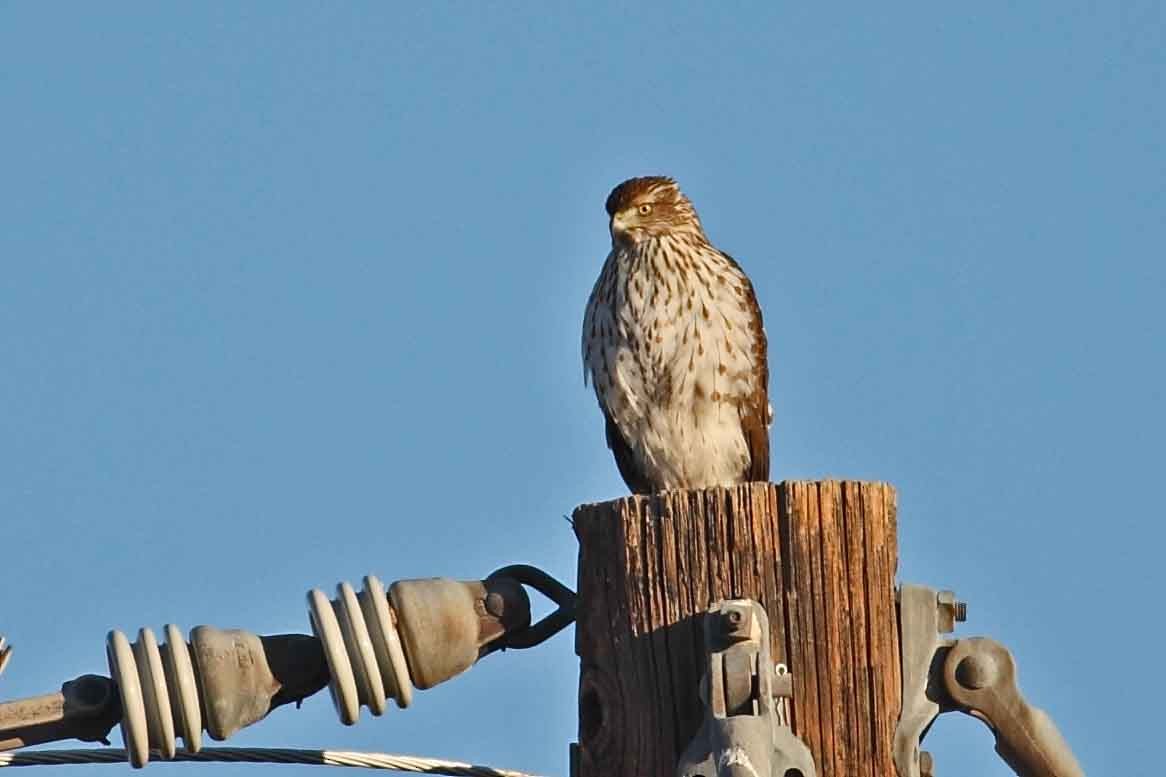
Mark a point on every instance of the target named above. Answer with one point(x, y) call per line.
point(753, 423)
point(624, 459)
point(756, 413)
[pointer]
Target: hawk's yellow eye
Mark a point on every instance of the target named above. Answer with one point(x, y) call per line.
point(645, 209)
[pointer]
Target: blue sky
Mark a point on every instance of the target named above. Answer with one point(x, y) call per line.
point(291, 293)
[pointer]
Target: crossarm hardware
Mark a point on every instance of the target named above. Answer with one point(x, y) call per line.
point(972, 675)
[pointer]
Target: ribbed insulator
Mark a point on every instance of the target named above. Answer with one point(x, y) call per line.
point(363, 649)
point(159, 693)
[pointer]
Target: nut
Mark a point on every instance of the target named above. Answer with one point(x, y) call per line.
point(951, 611)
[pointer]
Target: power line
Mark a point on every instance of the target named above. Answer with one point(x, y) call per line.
point(277, 755)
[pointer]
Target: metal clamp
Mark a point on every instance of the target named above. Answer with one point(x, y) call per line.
point(976, 676)
point(745, 732)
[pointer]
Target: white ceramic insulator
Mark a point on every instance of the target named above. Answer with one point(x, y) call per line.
point(386, 642)
point(365, 660)
point(341, 680)
point(359, 642)
point(124, 670)
point(159, 693)
point(183, 686)
point(159, 720)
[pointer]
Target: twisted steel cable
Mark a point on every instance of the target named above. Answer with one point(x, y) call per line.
point(275, 755)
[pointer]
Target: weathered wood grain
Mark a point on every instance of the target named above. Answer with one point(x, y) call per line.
point(820, 556)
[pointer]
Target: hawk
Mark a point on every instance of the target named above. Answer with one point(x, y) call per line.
point(674, 347)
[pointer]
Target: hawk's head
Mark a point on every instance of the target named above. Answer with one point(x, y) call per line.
point(650, 207)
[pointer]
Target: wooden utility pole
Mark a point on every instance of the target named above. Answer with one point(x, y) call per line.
point(819, 556)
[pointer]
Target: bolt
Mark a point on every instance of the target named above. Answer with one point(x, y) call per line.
point(951, 611)
point(976, 671)
point(495, 604)
point(736, 623)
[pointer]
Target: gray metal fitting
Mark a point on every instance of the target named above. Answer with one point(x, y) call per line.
point(976, 676)
point(743, 733)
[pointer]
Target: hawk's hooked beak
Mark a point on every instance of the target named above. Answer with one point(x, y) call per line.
point(619, 229)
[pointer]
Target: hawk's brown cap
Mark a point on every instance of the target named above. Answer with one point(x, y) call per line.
point(625, 194)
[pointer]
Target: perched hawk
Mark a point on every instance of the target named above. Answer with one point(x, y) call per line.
point(673, 345)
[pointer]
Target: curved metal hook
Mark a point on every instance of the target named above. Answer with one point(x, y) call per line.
point(549, 626)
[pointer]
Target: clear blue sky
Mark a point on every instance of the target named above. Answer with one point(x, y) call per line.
point(291, 293)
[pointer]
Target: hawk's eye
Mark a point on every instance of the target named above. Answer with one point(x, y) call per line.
point(645, 209)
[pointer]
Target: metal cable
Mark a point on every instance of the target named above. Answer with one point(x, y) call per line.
point(270, 755)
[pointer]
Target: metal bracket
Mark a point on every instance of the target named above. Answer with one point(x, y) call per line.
point(745, 731)
point(975, 676)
